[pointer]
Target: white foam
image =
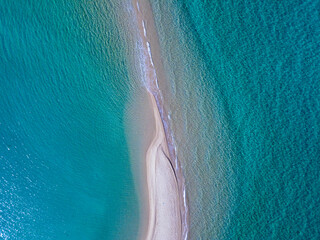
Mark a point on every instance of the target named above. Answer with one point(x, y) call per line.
point(150, 55)
point(144, 29)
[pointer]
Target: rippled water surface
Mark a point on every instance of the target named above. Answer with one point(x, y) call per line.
point(63, 91)
point(245, 103)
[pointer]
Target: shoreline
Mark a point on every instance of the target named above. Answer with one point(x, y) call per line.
point(167, 209)
point(164, 219)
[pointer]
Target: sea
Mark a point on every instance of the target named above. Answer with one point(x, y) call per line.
point(243, 103)
point(245, 110)
point(65, 170)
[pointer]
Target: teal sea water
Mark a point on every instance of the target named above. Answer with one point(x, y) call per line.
point(245, 109)
point(244, 105)
point(64, 162)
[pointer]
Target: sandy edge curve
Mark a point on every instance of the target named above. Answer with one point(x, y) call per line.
point(164, 221)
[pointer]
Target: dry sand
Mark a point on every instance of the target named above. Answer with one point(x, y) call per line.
point(164, 221)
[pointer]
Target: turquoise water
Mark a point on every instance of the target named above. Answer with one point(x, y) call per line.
point(244, 101)
point(245, 105)
point(64, 163)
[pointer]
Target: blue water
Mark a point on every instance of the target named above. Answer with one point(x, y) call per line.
point(64, 163)
point(245, 76)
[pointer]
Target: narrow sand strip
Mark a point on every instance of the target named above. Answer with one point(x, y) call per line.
point(164, 210)
point(164, 216)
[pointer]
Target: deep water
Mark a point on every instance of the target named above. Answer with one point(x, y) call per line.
point(245, 102)
point(64, 162)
